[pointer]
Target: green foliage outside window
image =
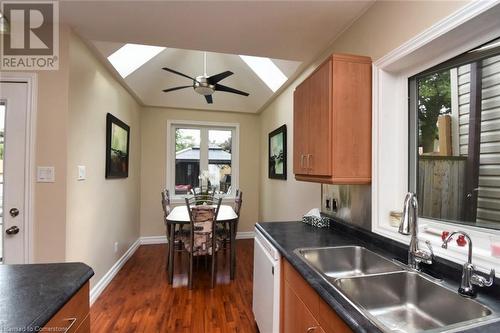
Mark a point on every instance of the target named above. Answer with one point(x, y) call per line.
point(434, 99)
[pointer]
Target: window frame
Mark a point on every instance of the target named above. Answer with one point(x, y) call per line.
point(204, 128)
point(469, 27)
point(466, 58)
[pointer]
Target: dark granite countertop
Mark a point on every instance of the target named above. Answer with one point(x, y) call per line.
point(31, 294)
point(288, 236)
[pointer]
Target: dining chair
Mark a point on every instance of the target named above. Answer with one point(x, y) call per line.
point(203, 195)
point(167, 209)
point(238, 202)
point(223, 230)
point(202, 240)
point(165, 204)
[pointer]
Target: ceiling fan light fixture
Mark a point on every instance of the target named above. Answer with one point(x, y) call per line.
point(204, 90)
point(202, 87)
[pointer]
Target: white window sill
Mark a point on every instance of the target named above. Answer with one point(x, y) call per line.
point(481, 253)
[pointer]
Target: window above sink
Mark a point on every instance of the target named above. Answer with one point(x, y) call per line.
point(465, 30)
point(454, 138)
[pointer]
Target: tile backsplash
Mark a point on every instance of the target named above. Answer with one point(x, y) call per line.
point(349, 203)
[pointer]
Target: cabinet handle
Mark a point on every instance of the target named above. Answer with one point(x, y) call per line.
point(311, 329)
point(302, 161)
point(309, 161)
point(72, 320)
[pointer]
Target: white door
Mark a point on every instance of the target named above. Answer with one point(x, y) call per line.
point(13, 171)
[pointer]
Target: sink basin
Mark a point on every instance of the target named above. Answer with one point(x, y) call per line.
point(409, 302)
point(346, 261)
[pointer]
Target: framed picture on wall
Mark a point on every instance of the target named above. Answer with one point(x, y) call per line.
point(117, 147)
point(277, 153)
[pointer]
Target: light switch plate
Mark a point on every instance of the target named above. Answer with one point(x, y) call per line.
point(82, 172)
point(45, 174)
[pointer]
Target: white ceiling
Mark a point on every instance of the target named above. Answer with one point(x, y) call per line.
point(297, 31)
point(148, 81)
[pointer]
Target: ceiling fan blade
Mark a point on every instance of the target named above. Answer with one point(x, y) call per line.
point(209, 99)
point(220, 87)
point(178, 73)
point(176, 88)
point(219, 77)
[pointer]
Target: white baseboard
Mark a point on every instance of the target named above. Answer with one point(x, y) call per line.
point(99, 287)
point(245, 235)
point(146, 240)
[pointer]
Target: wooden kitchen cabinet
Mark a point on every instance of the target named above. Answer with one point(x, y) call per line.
point(297, 318)
point(74, 316)
point(332, 122)
point(303, 310)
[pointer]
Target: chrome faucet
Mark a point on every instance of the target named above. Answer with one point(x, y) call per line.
point(409, 226)
point(469, 278)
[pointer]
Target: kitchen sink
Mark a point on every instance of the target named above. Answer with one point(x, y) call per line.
point(408, 302)
point(346, 261)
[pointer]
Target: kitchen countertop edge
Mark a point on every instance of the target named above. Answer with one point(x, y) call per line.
point(50, 286)
point(45, 316)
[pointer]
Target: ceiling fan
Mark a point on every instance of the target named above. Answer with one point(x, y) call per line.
point(206, 85)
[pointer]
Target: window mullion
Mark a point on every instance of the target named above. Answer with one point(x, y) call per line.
point(204, 149)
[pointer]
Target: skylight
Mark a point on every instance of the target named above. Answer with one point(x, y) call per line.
point(266, 70)
point(130, 57)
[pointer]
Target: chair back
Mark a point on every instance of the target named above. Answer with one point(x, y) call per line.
point(202, 196)
point(165, 203)
point(202, 218)
point(238, 201)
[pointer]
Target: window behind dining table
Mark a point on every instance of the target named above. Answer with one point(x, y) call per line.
point(203, 158)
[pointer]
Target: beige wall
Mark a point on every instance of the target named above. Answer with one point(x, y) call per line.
point(153, 173)
point(51, 132)
point(100, 212)
point(388, 24)
point(384, 26)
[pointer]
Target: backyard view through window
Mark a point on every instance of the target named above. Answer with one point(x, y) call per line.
point(203, 159)
point(457, 113)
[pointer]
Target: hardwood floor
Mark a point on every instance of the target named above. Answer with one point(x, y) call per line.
point(139, 299)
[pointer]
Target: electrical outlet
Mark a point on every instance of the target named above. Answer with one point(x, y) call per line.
point(327, 204)
point(116, 247)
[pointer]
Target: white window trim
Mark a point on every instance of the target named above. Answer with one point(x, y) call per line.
point(474, 24)
point(170, 161)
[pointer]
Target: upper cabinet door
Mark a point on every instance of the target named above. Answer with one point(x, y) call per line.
point(300, 128)
point(319, 154)
point(332, 122)
point(352, 106)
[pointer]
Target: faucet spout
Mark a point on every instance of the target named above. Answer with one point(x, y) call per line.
point(407, 219)
point(469, 277)
point(469, 243)
point(409, 227)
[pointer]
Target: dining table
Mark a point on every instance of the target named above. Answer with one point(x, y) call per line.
point(180, 216)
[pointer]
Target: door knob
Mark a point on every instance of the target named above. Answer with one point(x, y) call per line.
point(14, 212)
point(12, 230)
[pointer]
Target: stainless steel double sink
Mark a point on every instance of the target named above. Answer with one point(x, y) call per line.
point(392, 297)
